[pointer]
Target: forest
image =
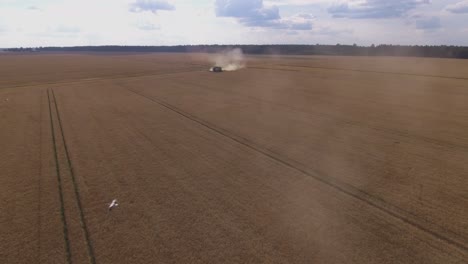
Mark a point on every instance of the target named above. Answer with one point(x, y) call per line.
point(443, 51)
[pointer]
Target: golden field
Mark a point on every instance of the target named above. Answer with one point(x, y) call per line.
point(293, 159)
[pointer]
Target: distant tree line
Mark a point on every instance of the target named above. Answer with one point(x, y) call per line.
point(346, 50)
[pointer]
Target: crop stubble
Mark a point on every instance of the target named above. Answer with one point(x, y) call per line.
point(294, 159)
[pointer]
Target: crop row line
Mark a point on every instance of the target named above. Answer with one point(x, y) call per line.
point(341, 187)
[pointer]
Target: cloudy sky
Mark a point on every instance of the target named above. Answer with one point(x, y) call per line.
point(30, 23)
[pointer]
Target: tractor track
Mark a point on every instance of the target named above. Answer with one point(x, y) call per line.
point(39, 178)
point(360, 195)
point(76, 189)
point(59, 185)
point(401, 133)
point(353, 70)
point(366, 195)
point(85, 80)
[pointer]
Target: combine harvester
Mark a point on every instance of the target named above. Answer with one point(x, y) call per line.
point(216, 69)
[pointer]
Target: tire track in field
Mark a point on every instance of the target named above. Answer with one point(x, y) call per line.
point(353, 70)
point(76, 189)
point(39, 178)
point(435, 141)
point(95, 79)
point(59, 185)
point(339, 186)
point(364, 194)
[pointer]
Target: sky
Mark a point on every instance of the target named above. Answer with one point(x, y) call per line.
point(35, 23)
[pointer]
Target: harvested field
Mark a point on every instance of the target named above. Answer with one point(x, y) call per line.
point(294, 159)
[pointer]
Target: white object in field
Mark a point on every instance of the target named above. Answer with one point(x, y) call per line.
point(113, 204)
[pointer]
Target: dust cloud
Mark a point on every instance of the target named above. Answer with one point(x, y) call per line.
point(229, 60)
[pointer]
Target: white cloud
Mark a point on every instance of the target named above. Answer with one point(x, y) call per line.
point(146, 25)
point(296, 22)
point(374, 8)
point(246, 9)
point(458, 8)
point(295, 2)
point(110, 22)
point(253, 13)
point(150, 5)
